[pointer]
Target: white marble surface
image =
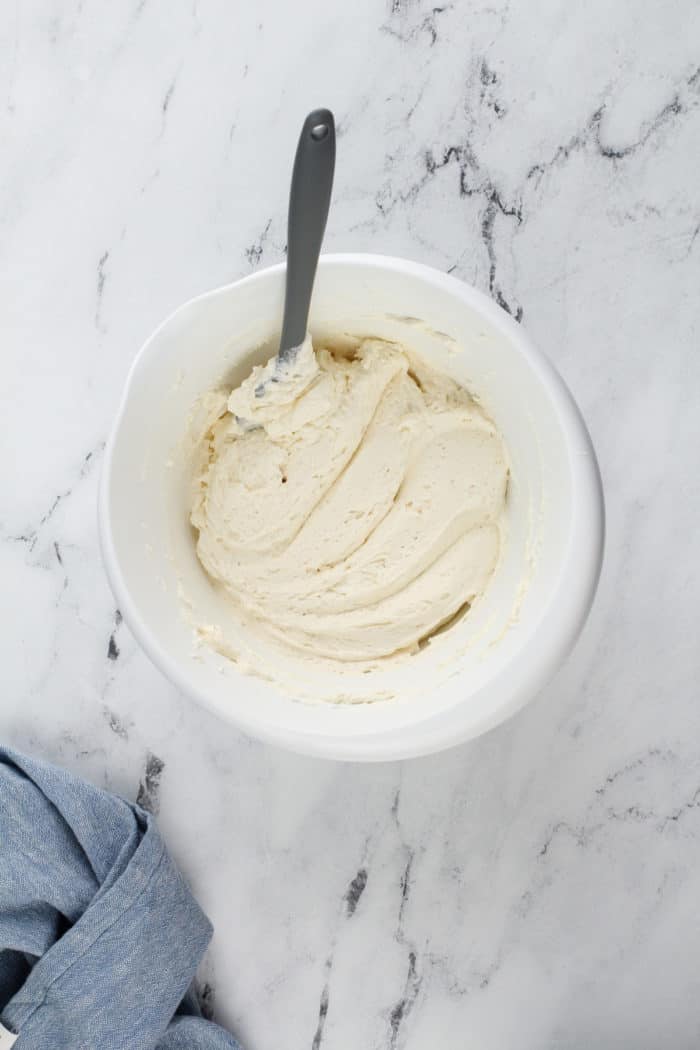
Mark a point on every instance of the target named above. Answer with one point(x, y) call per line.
point(538, 888)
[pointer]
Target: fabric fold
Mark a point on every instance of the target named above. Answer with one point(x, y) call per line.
point(100, 937)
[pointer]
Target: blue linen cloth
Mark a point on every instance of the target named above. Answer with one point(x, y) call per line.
point(100, 937)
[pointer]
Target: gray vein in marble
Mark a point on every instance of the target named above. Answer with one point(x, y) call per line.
point(579, 834)
point(407, 34)
point(54, 506)
point(582, 833)
point(29, 538)
point(405, 886)
point(101, 278)
point(350, 901)
point(115, 723)
point(30, 535)
point(636, 764)
point(420, 95)
point(323, 1004)
point(59, 559)
point(89, 458)
point(591, 823)
point(255, 251)
point(493, 207)
point(148, 794)
point(693, 238)
point(681, 811)
point(409, 857)
point(473, 181)
point(355, 891)
point(167, 99)
point(403, 1007)
point(682, 101)
point(488, 95)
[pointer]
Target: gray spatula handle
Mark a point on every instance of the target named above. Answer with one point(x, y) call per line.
point(309, 201)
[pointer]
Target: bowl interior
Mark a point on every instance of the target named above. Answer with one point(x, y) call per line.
point(472, 675)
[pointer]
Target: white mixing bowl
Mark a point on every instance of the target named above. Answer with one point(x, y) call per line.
point(479, 672)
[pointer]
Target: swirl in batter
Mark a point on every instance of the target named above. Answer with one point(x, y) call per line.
point(353, 505)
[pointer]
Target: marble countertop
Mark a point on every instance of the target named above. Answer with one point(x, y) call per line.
point(538, 887)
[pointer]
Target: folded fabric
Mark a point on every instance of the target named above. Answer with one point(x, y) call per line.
point(100, 937)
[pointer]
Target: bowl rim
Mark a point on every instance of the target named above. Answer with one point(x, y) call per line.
point(562, 621)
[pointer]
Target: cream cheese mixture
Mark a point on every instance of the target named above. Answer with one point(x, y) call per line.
point(352, 504)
